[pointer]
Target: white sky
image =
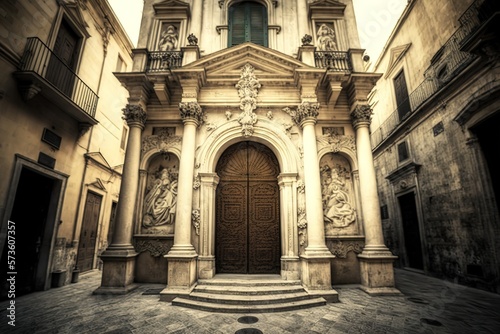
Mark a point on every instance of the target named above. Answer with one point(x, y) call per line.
point(375, 19)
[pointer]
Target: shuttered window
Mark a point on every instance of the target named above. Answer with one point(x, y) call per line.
point(247, 23)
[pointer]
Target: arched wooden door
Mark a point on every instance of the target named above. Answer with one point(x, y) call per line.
point(247, 234)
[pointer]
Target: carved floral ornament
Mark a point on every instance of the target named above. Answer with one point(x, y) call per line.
point(338, 143)
point(341, 248)
point(304, 111)
point(248, 87)
point(191, 110)
point(362, 114)
point(134, 114)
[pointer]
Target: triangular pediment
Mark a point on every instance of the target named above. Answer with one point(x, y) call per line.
point(172, 8)
point(268, 64)
point(98, 184)
point(327, 3)
point(326, 9)
point(74, 12)
point(99, 158)
point(397, 53)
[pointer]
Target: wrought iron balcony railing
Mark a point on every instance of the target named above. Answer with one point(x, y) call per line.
point(338, 61)
point(160, 61)
point(38, 58)
point(448, 61)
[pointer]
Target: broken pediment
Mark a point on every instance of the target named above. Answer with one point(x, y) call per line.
point(397, 54)
point(269, 65)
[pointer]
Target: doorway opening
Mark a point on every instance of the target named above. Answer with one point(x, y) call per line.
point(411, 231)
point(247, 233)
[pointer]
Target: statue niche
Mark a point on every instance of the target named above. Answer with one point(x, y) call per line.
point(326, 38)
point(169, 38)
point(160, 200)
point(339, 212)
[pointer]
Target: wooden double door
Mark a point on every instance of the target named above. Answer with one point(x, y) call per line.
point(247, 233)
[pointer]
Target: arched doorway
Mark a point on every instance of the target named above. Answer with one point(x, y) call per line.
point(247, 233)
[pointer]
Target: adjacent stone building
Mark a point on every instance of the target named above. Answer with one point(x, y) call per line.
point(62, 137)
point(435, 146)
point(249, 150)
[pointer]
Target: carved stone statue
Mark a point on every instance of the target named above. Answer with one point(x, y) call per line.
point(168, 39)
point(326, 38)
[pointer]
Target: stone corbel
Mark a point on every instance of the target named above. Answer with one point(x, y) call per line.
point(29, 90)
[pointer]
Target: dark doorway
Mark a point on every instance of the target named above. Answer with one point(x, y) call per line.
point(411, 230)
point(29, 215)
point(247, 232)
point(487, 134)
point(88, 234)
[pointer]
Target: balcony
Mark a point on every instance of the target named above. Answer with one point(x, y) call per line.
point(161, 61)
point(337, 61)
point(42, 71)
point(449, 61)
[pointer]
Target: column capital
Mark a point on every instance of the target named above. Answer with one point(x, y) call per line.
point(134, 115)
point(361, 116)
point(191, 111)
point(306, 111)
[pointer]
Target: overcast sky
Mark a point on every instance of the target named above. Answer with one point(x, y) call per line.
point(375, 18)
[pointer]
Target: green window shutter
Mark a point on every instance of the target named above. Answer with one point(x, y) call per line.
point(247, 22)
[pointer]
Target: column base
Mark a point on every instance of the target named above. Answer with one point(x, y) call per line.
point(377, 272)
point(118, 271)
point(316, 277)
point(181, 276)
point(206, 267)
point(290, 267)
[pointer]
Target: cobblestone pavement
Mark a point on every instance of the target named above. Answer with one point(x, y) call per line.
point(427, 305)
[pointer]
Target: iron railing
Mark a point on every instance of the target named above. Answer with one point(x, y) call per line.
point(338, 61)
point(40, 59)
point(445, 65)
point(160, 61)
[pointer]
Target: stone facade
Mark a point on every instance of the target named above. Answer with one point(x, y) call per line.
point(435, 149)
point(301, 92)
point(61, 131)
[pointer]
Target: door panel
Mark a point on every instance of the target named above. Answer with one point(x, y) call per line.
point(88, 235)
point(247, 222)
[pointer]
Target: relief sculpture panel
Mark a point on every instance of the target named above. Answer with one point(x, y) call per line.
point(338, 195)
point(160, 198)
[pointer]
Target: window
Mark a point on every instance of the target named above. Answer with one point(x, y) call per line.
point(123, 142)
point(120, 64)
point(402, 98)
point(247, 23)
point(403, 151)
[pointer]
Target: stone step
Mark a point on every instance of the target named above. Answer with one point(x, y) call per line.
point(260, 308)
point(247, 282)
point(247, 289)
point(249, 299)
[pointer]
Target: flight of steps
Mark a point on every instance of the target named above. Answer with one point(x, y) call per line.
point(248, 294)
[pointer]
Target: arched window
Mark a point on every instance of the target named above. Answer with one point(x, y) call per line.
point(247, 23)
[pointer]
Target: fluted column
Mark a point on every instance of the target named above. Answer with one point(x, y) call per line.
point(182, 255)
point(377, 273)
point(119, 257)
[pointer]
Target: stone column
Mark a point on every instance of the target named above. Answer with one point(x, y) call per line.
point(316, 266)
point(119, 257)
point(302, 18)
point(376, 261)
point(182, 255)
point(196, 18)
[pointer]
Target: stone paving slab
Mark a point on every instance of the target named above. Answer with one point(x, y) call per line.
point(428, 305)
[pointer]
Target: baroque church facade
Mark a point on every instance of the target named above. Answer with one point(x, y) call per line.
point(248, 151)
